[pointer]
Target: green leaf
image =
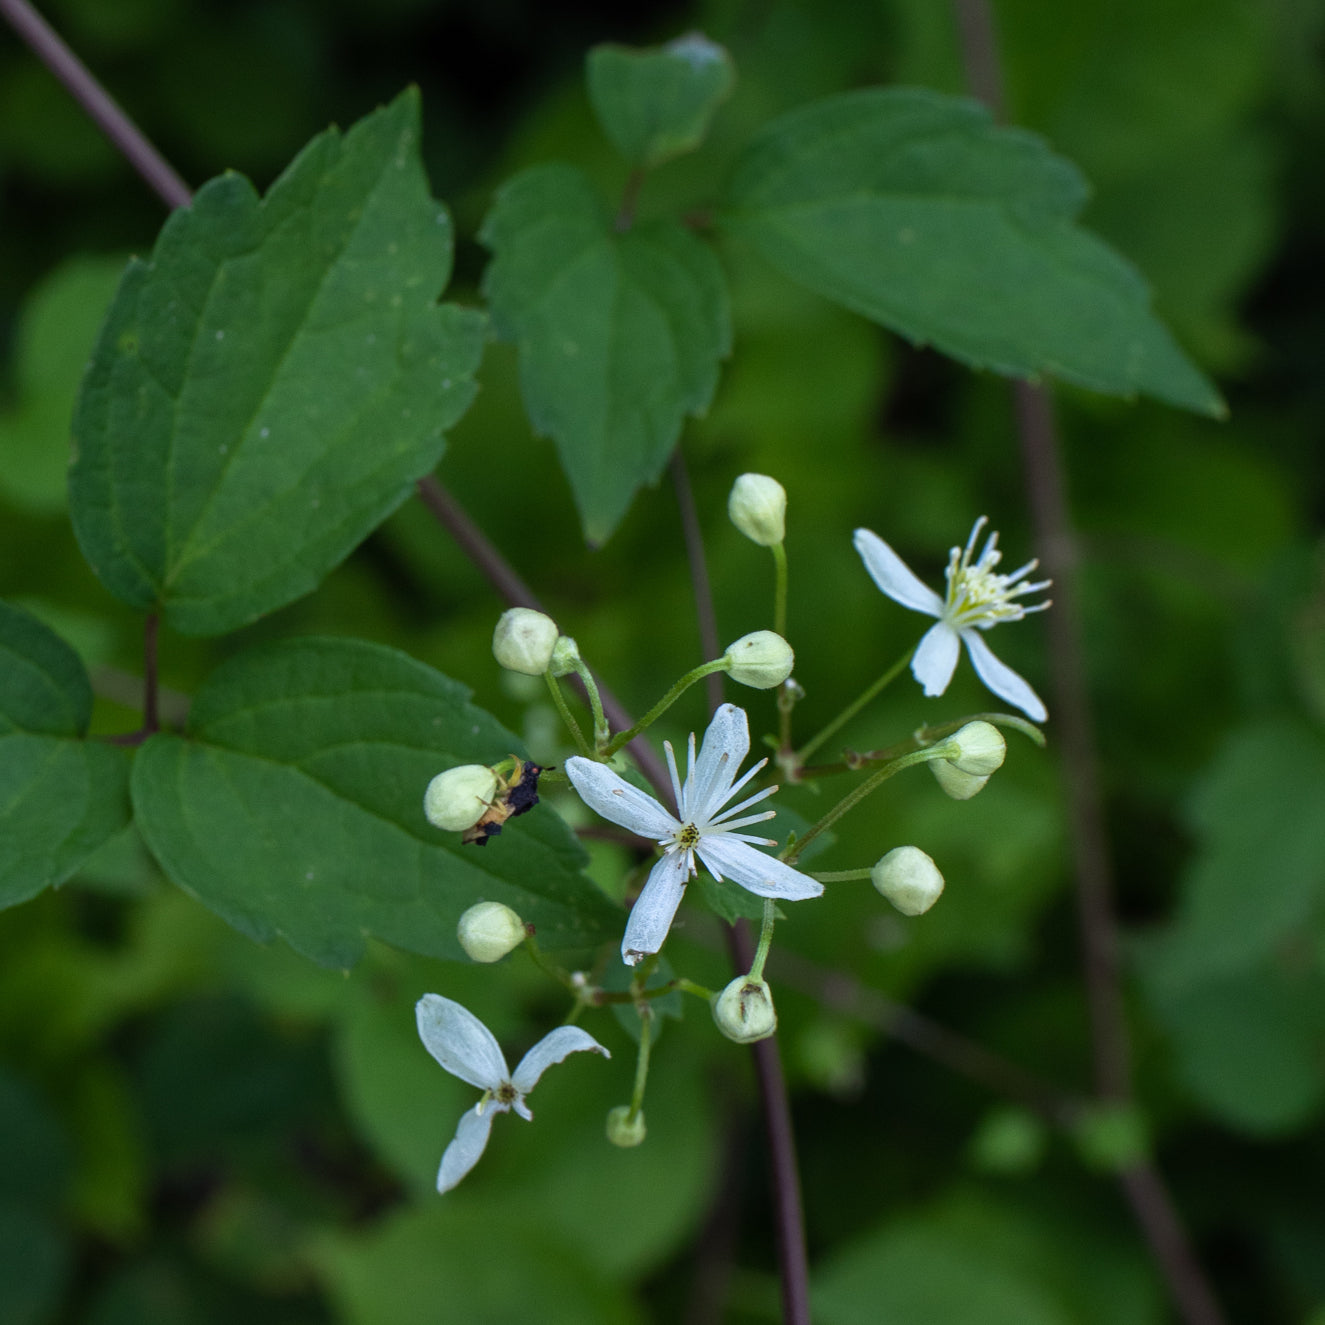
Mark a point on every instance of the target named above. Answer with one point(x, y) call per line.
point(293, 806)
point(61, 796)
point(55, 337)
point(656, 104)
point(916, 1272)
point(1251, 1047)
point(1259, 874)
point(35, 1265)
point(267, 387)
point(914, 210)
point(619, 334)
point(445, 1256)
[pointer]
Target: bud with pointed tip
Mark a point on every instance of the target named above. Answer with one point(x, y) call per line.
point(565, 656)
point(758, 508)
point(524, 640)
point(489, 930)
point(624, 1130)
point(458, 798)
point(909, 879)
point(760, 659)
point(977, 749)
point(744, 1011)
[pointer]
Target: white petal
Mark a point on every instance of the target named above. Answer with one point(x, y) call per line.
point(460, 1042)
point(471, 1139)
point(552, 1048)
point(651, 916)
point(756, 872)
point(615, 799)
point(894, 576)
point(728, 734)
point(1002, 680)
point(935, 658)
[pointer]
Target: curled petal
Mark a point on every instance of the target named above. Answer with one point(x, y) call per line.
point(936, 658)
point(1002, 680)
point(651, 916)
point(460, 1042)
point(471, 1139)
point(614, 798)
point(706, 789)
point(894, 576)
point(552, 1048)
point(764, 875)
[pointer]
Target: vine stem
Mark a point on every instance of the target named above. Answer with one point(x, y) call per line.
point(788, 1212)
point(476, 545)
point(101, 107)
point(130, 141)
point(1046, 489)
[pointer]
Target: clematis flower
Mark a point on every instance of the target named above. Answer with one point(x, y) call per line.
point(978, 599)
point(704, 830)
point(467, 1049)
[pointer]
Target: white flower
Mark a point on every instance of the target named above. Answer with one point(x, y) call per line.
point(978, 599)
point(704, 829)
point(467, 1049)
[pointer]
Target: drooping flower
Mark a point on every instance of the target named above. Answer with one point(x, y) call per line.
point(978, 599)
point(467, 1049)
point(704, 829)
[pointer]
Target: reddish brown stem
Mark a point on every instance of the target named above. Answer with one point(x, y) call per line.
point(1047, 492)
point(476, 545)
point(693, 535)
point(51, 50)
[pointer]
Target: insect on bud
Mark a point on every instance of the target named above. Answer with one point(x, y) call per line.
point(622, 1129)
point(458, 799)
point(489, 930)
point(744, 1010)
point(978, 749)
point(758, 508)
point(909, 879)
point(761, 659)
point(524, 641)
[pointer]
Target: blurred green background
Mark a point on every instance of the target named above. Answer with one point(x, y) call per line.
point(197, 1129)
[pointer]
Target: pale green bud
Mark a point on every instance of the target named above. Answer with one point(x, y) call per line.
point(980, 749)
point(565, 655)
point(960, 786)
point(524, 640)
point(489, 930)
point(744, 1012)
point(758, 508)
point(761, 659)
point(909, 879)
point(622, 1129)
point(456, 800)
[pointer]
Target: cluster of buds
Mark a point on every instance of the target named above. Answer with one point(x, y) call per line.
point(970, 757)
point(476, 800)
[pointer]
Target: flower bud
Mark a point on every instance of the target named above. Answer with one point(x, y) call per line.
point(622, 1129)
point(489, 930)
point(978, 749)
point(909, 879)
point(565, 655)
point(960, 786)
point(758, 508)
point(524, 640)
point(457, 799)
point(744, 1010)
point(761, 659)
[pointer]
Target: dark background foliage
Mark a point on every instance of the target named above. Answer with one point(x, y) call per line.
point(195, 1128)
